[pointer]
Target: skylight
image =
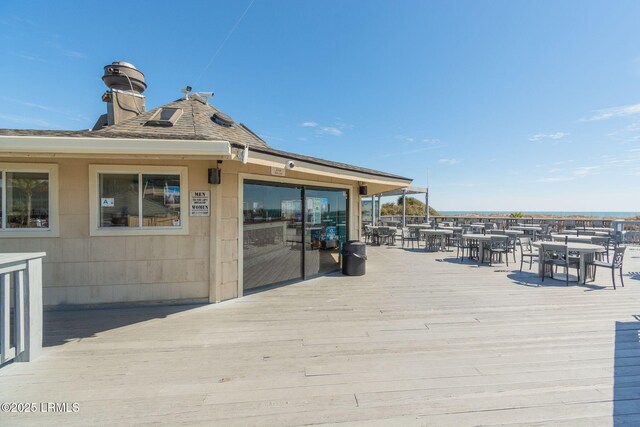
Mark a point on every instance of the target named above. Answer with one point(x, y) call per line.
point(165, 117)
point(222, 119)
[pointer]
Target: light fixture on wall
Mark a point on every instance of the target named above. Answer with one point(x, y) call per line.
point(215, 176)
point(364, 190)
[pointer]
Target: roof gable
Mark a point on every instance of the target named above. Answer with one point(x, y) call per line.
point(195, 122)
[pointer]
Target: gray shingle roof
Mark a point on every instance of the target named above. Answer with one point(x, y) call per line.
point(195, 123)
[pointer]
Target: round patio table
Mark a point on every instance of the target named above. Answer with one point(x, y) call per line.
point(437, 232)
point(574, 232)
point(559, 237)
point(586, 251)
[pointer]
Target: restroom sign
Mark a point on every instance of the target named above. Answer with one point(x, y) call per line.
point(199, 202)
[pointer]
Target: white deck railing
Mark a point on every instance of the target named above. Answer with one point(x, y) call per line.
point(20, 306)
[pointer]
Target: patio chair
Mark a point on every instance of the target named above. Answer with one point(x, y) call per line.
point(433, 242)
point(497, 232)
point(368, 234)
point(581, 232)
point(545, 234)
point(410, 235)
point(618, 257)
point(555, 255)
point(383, 235)
point(604, 242)
point(526, 251)
point(455, 241)
point(511, 245)
point(470, 245)
point(596, 223)
point(569, 224)
point(498, 245)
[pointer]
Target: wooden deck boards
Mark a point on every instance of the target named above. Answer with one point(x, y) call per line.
point(419, 340)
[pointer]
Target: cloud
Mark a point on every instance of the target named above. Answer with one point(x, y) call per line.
point(22, 120)
point(553, 136)
point(585, 170)
point(330, 131)
point(70, 53)
point(555, 179)
point(336, 130)
point(73, 54)
point(608, 113)
point(449, 162)
point(68, 115)
point(405, 138)
point(27, 57)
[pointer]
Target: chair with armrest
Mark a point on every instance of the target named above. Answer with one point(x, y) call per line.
point(557, 255)
point(526, 251)
point(615, 264)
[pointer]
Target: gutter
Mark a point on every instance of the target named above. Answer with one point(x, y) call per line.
point(112, 146)
point(319, 162)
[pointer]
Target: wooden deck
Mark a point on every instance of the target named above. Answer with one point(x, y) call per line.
point(419, 340)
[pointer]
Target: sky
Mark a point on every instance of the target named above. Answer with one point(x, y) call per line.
point(495, 105)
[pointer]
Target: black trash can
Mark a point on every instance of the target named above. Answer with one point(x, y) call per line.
point(354, 258)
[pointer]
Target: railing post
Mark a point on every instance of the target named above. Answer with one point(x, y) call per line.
point(33, 312)
point(6, 352)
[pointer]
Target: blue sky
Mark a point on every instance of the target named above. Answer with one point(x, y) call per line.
point(504, 105)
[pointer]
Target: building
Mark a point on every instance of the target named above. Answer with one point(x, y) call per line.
point(178, 203)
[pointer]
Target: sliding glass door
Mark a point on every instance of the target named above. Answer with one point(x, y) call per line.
point(325, 229)
point(272, 235)
point(291, 232)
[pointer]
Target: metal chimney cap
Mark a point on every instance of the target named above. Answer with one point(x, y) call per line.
point(124, 64)
point(124, 76)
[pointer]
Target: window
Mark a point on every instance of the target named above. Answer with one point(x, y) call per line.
point(165, 117)
point(28, 200)
point(138, 200)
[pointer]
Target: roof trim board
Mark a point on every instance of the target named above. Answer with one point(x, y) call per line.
point(140, 146)
point(267, 159)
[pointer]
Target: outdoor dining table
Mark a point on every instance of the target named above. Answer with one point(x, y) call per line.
point(586, 251)
point(526, 227)
point(558, 237)
point(449, 227)
point(437, 232)
point(602, 229)
point(507, 232)
point(483, 240)
point(576, 231)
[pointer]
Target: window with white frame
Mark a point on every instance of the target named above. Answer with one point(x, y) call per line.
point(27, 196)
point(139, 198)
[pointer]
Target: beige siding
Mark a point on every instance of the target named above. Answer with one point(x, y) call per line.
point(80, 269)
point(84, 269)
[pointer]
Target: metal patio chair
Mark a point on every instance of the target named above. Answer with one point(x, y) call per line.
point(615, 264)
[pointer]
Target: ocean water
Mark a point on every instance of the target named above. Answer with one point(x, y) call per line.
point(550, 213)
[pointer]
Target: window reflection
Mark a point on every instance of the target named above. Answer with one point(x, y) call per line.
point(121, 204)
point(27, 199)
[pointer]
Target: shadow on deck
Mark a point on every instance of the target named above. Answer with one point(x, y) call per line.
point(63, 326)
point(626, 374)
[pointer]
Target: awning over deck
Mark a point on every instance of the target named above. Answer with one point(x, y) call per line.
point(411, 189)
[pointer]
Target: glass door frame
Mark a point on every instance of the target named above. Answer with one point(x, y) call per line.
point(283, 182)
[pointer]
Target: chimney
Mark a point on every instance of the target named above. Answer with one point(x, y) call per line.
point(124, 98)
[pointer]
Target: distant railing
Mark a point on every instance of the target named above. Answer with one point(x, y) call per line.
point(20, 306)
point(630, 229)
point(627, 232)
